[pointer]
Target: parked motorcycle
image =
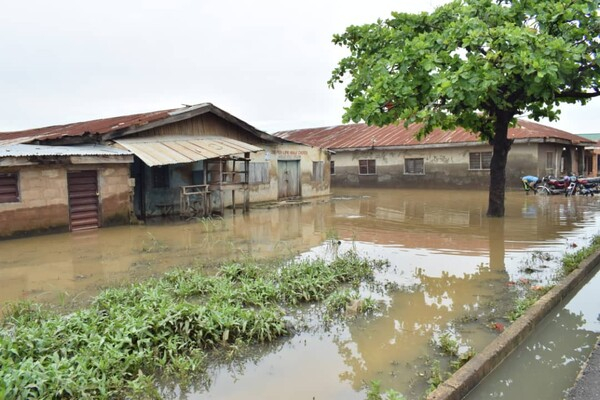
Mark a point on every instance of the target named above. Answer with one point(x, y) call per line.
point(552, 185)
point(569, 185)
point(588, 186)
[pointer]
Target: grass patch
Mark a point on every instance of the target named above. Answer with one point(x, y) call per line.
point(114, 347)
point(571, 261)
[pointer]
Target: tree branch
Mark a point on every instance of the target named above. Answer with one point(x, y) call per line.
point(577, 95)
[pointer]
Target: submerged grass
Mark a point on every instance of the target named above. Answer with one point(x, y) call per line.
point(569, 263)
point(113, 348)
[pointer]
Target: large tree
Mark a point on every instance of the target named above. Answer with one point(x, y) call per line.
point(473, 63)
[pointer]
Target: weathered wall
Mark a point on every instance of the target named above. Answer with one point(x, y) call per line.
point(203, 125)
point(115, 194)
point(444, 167)
point(262, 192)
point(44, 203)
point(212, 125)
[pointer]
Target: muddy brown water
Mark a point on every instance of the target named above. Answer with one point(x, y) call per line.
point(451, 269)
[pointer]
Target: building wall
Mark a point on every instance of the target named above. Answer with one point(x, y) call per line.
point(262, 192)
point(203, 125)
point(44, 203)
point(444, 167)
point(212, 125)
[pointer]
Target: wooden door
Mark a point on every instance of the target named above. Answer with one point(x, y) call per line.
point(289, 178)
point(84, 212)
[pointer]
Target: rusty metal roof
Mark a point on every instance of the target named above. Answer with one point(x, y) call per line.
point(32, 150)
point(358, 136)
point(165, 150)
point(115, 127)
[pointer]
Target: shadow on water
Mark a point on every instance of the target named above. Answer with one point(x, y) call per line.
point(451, 269)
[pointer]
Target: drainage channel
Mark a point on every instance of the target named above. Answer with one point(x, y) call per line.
point(546, 364)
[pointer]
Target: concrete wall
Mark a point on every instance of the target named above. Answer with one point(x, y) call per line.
point(262, 192)
point(44, 202)
point(444, 167)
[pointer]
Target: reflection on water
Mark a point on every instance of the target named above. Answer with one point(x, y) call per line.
point(448, 263)
point(547, 363)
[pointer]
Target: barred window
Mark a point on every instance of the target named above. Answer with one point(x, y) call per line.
point(9, 188)
point(259, 172)
point(414, 166)
point(160, 177)
point(366, 167)
point(480, 160)
point(332, 167)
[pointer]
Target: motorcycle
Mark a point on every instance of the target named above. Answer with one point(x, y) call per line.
point(552, 185)
point(588, 186)
point(569, 185)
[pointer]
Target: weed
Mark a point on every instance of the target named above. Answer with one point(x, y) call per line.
point(522, 305)
point(112, 348)
point(436, 376)
point(153, 245)
point(448, 344)
point(462, 359)
point(374, 393)
point(571, 261)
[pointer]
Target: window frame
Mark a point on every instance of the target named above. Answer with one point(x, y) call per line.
point(9, 187)
point(370, 166)
point(332, 167)
point(550, 156)
point(161, 178)
point(412, 170)
point(481, 160)
point(318, 171)
point(260, 170)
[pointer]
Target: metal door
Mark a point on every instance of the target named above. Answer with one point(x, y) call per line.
point(83, 200)
point(289, 178)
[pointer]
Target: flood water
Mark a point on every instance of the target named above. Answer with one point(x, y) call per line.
point(451, 269)
point(546, 364)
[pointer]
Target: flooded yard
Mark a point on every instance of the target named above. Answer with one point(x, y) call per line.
point(451, 269)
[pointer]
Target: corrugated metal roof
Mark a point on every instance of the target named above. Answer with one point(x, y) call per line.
point(352, 136)
point(31, 150)
point(111, 128)
point(95, 127)
point(164, 150)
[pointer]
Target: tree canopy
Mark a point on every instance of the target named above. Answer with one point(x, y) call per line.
point(473, 63)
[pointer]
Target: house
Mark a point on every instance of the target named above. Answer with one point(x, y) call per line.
point(594, 149)
point(369, 156)
point(193, 161)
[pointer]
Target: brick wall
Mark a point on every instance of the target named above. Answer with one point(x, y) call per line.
point(44, 204)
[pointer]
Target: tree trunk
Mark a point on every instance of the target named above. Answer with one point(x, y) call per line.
point(498, 166)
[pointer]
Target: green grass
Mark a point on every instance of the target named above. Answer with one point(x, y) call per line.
point(571, 261)
point(114, 347)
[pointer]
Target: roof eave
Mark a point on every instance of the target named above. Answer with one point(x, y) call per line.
point(194, 111)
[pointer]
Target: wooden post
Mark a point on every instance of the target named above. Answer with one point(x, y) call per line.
point(246, 206)
point(233, 201)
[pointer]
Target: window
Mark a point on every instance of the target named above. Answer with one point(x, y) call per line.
point(414, 166)
point(550, 160)
point(317, 175)
point(9, 188)
point(259, 172)
point(160, 177)
point(366, 167)
point(332, 167)
point(480, 160)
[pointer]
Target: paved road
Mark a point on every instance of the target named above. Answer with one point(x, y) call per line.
point(587, 386)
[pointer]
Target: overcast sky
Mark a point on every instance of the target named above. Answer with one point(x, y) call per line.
point(266, 62)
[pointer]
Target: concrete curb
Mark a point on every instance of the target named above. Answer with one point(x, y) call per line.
point(469, 376)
